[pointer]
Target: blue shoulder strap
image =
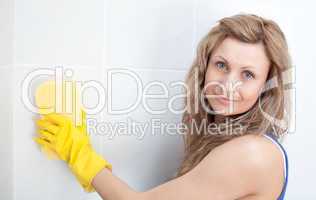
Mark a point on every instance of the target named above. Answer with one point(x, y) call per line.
point(282, 195)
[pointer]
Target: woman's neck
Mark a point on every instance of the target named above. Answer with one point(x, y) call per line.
point(219, 118)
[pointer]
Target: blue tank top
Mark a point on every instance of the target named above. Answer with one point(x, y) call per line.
point(275, 141)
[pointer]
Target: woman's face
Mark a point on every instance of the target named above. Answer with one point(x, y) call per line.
point(236, 71)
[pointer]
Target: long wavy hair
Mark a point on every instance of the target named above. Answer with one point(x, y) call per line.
point(269, 112)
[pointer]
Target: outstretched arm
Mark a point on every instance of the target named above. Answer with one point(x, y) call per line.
point(110, 187)
point(231, 171)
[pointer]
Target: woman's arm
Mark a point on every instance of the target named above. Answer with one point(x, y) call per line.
point(235, 169)
point(111, 187)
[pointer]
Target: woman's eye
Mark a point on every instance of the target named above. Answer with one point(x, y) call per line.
point(220, 65)
point(248, 75)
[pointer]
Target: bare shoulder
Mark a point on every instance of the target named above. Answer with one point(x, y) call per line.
point(246, 166)
point(257, 149)
point(257, 160)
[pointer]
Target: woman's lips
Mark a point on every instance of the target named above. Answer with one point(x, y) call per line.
point(224, 100)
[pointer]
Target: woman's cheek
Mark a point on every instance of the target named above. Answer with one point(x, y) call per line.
point(250, 95)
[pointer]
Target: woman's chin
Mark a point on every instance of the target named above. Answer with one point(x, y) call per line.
point(222, 109)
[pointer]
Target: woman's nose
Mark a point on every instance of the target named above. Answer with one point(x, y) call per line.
point(232, 86)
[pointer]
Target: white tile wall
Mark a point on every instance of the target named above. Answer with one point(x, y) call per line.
point(145, 34)
point(6, 32)
point(148, 150)
point(7, 140)
point(59, 32)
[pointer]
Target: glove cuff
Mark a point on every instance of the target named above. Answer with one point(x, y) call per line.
point(87, 167)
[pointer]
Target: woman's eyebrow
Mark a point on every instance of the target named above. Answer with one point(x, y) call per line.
point(244, 67)
point(222, 58)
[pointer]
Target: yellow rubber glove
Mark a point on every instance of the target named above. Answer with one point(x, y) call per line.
point(45, 99)
point(59, 138)
point(72, 145)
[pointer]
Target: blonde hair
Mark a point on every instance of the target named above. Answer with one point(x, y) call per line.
point(247, 28)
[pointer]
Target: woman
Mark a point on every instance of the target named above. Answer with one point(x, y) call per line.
point(236, 61)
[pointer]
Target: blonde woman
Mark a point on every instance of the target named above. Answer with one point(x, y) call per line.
point(238, 73)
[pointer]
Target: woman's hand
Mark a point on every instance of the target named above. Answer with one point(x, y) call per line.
point(72, 144)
